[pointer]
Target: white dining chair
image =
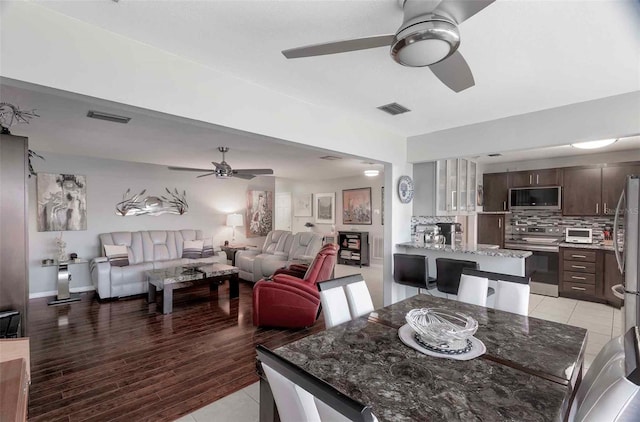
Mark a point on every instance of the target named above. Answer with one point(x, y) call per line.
point(359, 298)
point(614, 349)
point(473, 289)
point(344, 298)
point(614, 394)
point(335, 306)
point(299, 396)
point(512, 297)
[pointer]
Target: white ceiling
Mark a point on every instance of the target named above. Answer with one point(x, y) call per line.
point(526, 56)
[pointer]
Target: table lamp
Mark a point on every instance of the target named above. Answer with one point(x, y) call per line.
point(234, 220)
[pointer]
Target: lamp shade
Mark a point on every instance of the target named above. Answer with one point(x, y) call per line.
point(235, 220)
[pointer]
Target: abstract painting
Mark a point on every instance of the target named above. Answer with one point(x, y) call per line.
point(62, 202)
point(356, 206)
point(259, 213)
point(302, 205)
point(325, 208)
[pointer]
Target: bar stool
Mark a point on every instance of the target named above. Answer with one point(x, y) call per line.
point(449, 272)
point(412, 270)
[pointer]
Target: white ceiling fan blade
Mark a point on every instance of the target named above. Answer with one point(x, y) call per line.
point(189, 169)
point(454, 72)
point(244, 176)
point(253, 171)
point(461, 10)
point(207, 174)
point(339, 46)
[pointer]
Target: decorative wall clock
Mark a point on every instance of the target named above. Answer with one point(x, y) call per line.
point(405, 189)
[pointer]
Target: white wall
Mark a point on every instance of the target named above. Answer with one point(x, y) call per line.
point(209, 199)
point(337, 186)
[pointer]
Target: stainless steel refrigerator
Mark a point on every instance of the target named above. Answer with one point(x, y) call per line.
point(628, 253)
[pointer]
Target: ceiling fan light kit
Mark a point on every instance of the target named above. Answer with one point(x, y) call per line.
point(429, 40)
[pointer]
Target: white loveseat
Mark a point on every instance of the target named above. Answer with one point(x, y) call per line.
point(147, 250)
point(279, 250)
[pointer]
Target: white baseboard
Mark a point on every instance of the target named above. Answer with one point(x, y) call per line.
point(80, 289)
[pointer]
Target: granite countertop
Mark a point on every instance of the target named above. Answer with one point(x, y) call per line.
point(368, 362)
point(473, 250)
point(599, 246)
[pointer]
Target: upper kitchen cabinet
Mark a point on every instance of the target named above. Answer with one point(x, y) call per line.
point(544, 177)
point(495, 191)
point(613, 178)
point(594, 190)
point(582, 191)
point(456, 187)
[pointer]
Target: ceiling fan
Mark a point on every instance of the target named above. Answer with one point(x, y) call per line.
point(223, 170)
point(428, 36)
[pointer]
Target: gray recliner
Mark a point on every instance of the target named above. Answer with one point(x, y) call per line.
point(277, 243)
point(304, 247)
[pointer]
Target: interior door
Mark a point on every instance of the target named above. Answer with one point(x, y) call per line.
point(283, 211)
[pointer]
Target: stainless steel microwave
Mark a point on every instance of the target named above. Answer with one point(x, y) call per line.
point(542, 198)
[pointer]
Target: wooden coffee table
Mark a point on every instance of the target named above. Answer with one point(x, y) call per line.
point(170, 279)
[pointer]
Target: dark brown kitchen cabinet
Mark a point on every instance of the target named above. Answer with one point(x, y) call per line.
point(582, 191)
point(612, 277)
point(495, 191)
point(613, 178)
point(543, 177)
point(491, 229)
point(581, 274)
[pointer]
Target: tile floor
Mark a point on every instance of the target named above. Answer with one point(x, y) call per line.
point(602, 322)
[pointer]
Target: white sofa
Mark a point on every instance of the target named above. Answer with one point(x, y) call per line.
point(279, 250)
point(147, 250)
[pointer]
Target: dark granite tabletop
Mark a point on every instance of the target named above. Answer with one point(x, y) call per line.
point(367, 361)
point(543, 347)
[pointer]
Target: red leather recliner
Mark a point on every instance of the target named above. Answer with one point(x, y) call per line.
point(292, 302)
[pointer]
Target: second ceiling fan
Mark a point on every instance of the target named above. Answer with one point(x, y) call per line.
point(428, 36)
point(223, 170)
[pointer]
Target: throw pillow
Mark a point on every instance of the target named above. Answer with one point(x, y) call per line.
point(207, 248)
point(117, 255)
point(192, 249)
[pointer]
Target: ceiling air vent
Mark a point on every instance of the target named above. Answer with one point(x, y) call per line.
point(495, 155)
point(393, 109)
point(330, 158)
point(108, 117)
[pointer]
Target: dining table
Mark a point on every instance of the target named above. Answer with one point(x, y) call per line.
point(530, 371)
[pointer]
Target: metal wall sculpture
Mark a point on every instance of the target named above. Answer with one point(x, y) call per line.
point(62, 202)
point(136, 204)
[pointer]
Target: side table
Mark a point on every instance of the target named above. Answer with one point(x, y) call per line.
point(64, 296)
point(231, 252)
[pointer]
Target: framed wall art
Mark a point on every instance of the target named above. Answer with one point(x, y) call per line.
point(356, 206)
point(62, 202)
point(302, 205)
point(325, 208)
point(259, 213)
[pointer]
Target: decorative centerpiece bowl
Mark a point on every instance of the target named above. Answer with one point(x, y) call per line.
point(442, 330)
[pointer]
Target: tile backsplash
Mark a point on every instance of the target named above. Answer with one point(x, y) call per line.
point(556, 219)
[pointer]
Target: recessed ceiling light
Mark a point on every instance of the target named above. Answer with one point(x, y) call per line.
point(594, 144)
point(371, 173)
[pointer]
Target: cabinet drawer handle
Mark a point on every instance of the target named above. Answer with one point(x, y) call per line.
point(531, 179)
point(578, 256)
point(537, 179)
point(579, 266)
point(499, 223)
point(597, 208)
point(575, 277)
point(578, 288)
point(504, 205)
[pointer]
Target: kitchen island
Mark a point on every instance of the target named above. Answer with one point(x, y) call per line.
point(505, 261)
